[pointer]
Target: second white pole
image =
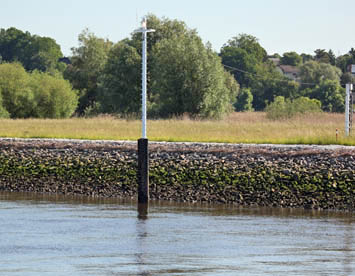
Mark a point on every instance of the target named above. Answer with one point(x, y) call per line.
point(347, 109)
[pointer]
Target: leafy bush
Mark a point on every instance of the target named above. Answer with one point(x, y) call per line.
point(306, 105)
point(93, 110)
point(18, 98)
point(3, 112)
point(244, 100)
point(285, 109)
point(331, 95)
point(36, 95)
point(53, 96)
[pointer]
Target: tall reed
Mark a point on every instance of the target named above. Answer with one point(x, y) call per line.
point(250, 127)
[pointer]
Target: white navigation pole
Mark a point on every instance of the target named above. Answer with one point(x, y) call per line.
point(144, 32)
point(143, 154)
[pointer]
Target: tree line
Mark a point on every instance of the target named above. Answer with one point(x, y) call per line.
point(185, 76)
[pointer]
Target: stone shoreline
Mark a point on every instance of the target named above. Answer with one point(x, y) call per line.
point(318, 177)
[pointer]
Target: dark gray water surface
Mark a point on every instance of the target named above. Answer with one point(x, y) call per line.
point(46, 235)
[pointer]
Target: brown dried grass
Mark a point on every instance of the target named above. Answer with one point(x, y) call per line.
point(249, 127)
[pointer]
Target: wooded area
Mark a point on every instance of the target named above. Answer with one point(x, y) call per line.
point(185, 76)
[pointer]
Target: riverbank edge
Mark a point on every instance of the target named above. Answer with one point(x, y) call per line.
point(317, 177)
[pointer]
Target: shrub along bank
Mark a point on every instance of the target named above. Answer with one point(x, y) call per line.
point(285, 176)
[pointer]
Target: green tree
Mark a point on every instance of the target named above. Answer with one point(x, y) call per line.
point(231, 84)
point(13, 45)
point(321, 56)
point(324, 57)
point(44, 54)
point(165, 28)
point(18, 98)
point(240, 63)
point(242, 54)
point(88, 62)
point(250, 44)
point(3, 112)
point(37, 95)
point(189, 78)
point(121, 81)
point(306, 57)
point(314, 72)
point(352, 53)
point(332, 57)
point(53, 96)
point(347, 78)
point(343, 62)
point(184, 76)
point(244, 100)
point(291, 58)
point(268, 83)
point(33, 52)
point(330, 94)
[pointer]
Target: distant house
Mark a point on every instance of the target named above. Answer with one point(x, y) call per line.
point(275, 61)
point(351, 68)
point(289, 71)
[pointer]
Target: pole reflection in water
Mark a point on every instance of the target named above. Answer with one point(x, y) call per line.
point(142, 235)
point(143, 209)
point(348, 248)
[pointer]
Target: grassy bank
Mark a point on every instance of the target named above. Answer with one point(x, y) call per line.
point(237, 128)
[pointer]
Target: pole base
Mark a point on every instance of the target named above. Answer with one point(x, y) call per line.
point(143, 171)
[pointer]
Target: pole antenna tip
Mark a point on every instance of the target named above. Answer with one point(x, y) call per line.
point(144, 23)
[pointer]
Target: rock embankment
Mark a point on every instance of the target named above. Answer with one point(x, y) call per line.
point(321, 177)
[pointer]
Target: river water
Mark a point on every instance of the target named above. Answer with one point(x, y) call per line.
point(53, 235)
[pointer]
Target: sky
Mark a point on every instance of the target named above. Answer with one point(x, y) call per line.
point(280, 25)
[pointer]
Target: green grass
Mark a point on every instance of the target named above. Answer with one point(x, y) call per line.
point(250, 127)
